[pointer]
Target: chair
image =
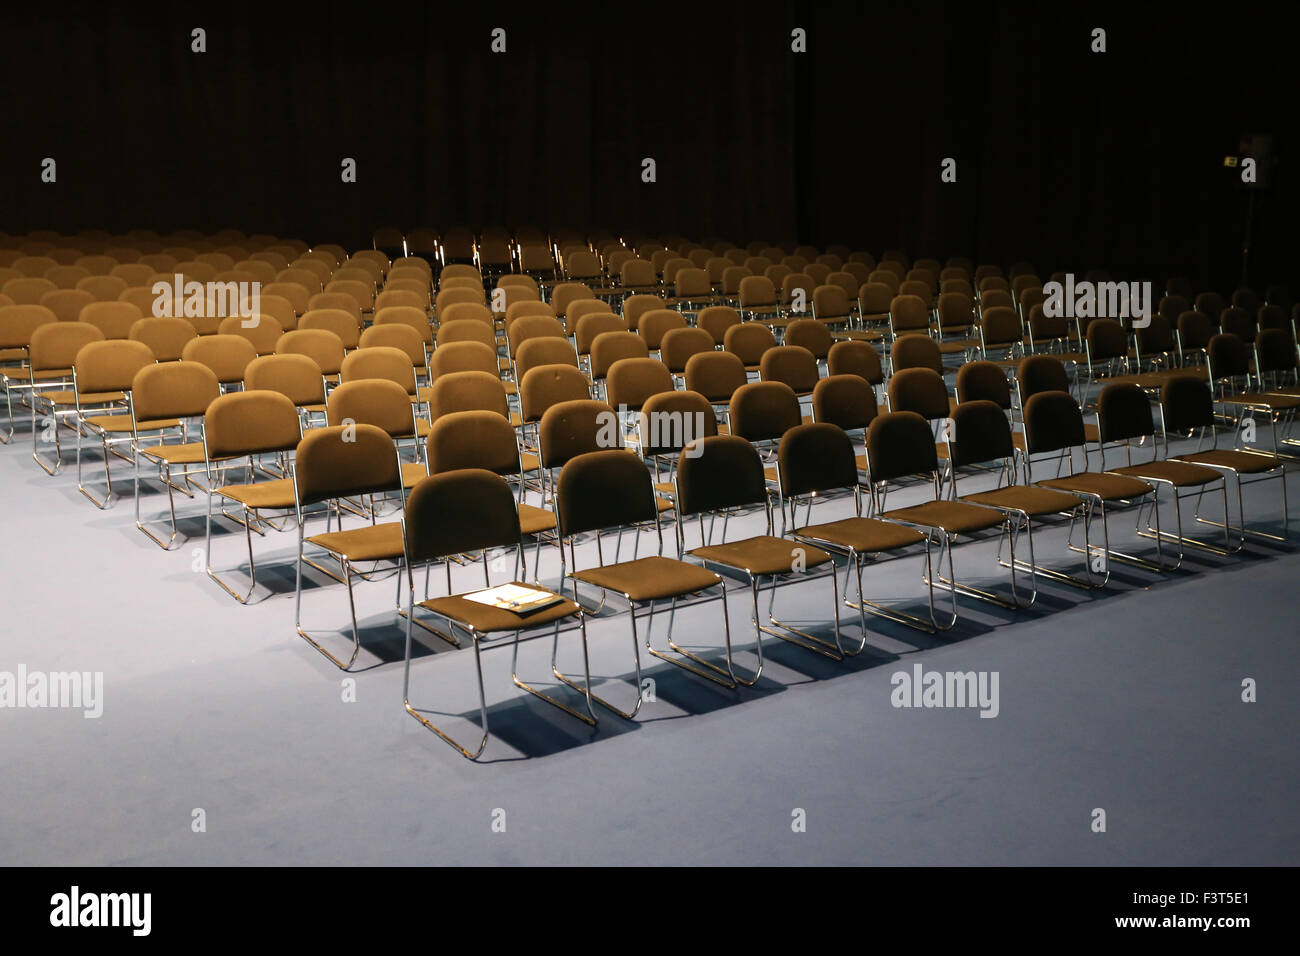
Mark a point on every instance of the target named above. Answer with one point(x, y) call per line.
point(748, 342)
point(1187, 404)
point(297, 377)
point(114, 319)
point(227, 355)
point(160, 395)
point(51, 355)
point(320, 345)
point(655, 323)
point(17, 324)
point(721, 476)
point(1123, 415)
point(464, 511)
point(1054, 426)
point(610, 490)
point(247, 425)
point(981, 436)
point(817, 460)
point(103, 372)
point(791, 364)
point(331, 464)
point(386, 405)
point(166, 337)
point(536, 352)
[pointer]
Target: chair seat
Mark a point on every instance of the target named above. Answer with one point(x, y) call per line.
point(1243, 462)
point(413, 471)
point(858, 335)
point(955, 517)
point(69, 397)
point(864, 535)
point(119, 424)
point(487, 619)
point(274, 494)
point(1268, 400)
point(648, 579)
point(534, 520)
point(1029, 499)
point(377, 542)
point(47, 375)
point(1180, 474)
point(187, 453)
point(1107, 487)
point(763, 554)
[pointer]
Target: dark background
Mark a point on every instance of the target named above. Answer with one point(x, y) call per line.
point(1067, 158)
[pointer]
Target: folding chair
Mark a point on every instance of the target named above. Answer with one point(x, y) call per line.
point(460, 512)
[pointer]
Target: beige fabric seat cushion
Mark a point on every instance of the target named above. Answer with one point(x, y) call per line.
point(486, 619)
point(1107, 487)
point(1245, 462)
point(1030, 499)
point(188, 453)
point(534, 520)
point(956, 517)
point(274, 494)
point(864, 535)
point(763, 554)
point(379, 542)
point(648, 579)
point(1180, 474)
point(69, 397)
point(116, 424)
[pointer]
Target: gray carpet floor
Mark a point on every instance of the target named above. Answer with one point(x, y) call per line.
point(1127, 700)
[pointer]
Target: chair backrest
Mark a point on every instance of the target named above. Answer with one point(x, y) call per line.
point(604, 489)
point(250, 423)
point(1053, 422)
point(1186, 403)
point(749, 341)
point(791, 364)
point(546, 350)
point(811, 334)
point(173, 390)
point(855, 358)
point(630, 381)
point(297, 377)
point(716, 375)
point(473, 440)
point(340, 322)
point(980, 433)
point(459, 511)
point(919, 390)
point(983, 381)
point(1040, 373)
point(1000, 327)
point(671, 420)
point(547, 385)
point(320, 345)
point(916, 351)
point(467, 391)
point(396, 336)
point(67, 303)
point(466, 356)
point(1123, 412)
point(611, 347)
point(680, 345)
point(110, 365)
point(848, 401)
point(345, 461)
point(654, 323)
point(373, 401)
point(54, 347)
point(718, 472)
point(383, 362)
point(1106, 339)
point(900, 443)
point(1275, 351)
point(817, 457)
point(593, 324)
point(1228, 356)
point(874, 298)
point(227, 355)
point(763, 411)
point(18, 322)
point(573, 428)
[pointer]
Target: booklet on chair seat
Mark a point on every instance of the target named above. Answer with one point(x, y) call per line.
point(515, 597)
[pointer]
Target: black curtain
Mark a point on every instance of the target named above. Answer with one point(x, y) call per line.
point(1064, 157)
